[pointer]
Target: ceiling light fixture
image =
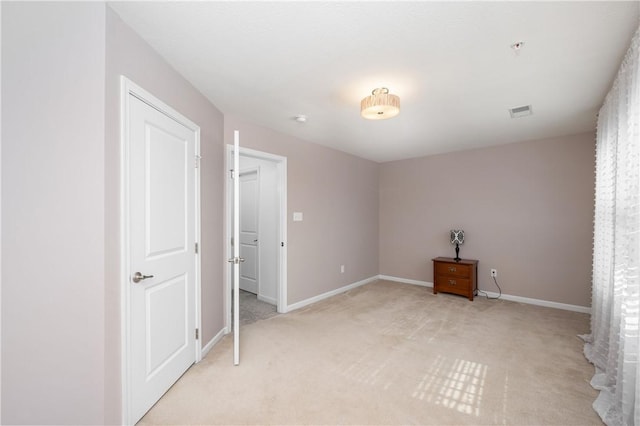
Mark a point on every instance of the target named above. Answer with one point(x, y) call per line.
point(380, 105)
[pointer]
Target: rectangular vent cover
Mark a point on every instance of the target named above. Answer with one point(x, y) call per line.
point(521, 111)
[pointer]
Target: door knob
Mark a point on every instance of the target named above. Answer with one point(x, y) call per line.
point(137, 277)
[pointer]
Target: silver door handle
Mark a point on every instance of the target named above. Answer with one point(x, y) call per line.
point(137, 277)
point(236, 260)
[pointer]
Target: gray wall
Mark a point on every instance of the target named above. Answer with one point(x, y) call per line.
point(526, 208)
point(53, 207)
point(129, 55)
point(338, 195)
point(60, 174)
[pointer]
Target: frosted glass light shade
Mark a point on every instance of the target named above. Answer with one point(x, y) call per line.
point(380, 105)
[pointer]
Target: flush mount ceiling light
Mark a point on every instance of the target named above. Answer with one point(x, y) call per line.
point(380, 105)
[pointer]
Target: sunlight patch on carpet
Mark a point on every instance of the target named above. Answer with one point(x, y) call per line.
point(455, 384)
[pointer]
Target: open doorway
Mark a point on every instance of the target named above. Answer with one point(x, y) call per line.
point(263, 206)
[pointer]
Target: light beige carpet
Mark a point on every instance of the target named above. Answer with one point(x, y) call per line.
point(389, 353)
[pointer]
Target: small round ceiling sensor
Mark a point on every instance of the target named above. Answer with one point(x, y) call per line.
point(301, 118)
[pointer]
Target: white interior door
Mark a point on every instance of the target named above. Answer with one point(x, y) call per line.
point(236, 249)
point(249, 224)
point(233, 218)
point(162, 236)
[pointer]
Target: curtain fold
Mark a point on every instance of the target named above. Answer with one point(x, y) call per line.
point(614, 341)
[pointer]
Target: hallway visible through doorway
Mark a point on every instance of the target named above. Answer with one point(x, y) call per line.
point(252, 309)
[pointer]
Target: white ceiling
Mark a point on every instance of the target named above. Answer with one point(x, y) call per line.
point(450, 63)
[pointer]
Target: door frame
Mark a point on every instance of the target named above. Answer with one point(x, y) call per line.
point(281, 166)
point(127, 89)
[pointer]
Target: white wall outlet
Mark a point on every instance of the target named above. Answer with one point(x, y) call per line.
point(494, 273)
point(342, 269)
point(297, 216)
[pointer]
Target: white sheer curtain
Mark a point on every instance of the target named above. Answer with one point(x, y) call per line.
point(613, 343)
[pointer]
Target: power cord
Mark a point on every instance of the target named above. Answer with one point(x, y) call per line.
point(487, 295)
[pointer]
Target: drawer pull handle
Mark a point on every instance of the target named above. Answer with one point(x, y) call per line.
point(452, 269)
point(452, 282)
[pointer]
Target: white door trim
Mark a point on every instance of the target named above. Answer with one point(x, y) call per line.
point(127, 88)
point(281, 165)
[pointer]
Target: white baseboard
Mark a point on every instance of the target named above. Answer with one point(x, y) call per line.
point(269, 300)
point(539, 302)
point(520, 299)
point(328, 294)
point(206, 348)
point(405, 281)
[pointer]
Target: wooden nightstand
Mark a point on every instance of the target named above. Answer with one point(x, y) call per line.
point(454, 277)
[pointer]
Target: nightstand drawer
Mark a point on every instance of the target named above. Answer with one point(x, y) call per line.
point(452, 269)
point(453, 284)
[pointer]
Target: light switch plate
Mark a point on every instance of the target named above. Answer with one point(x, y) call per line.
point(297, 216)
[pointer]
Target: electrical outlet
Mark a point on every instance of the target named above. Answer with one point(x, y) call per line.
point(342, 269)
point(494, 273)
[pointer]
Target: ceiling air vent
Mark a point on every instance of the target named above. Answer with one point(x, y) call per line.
point(521, 111)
